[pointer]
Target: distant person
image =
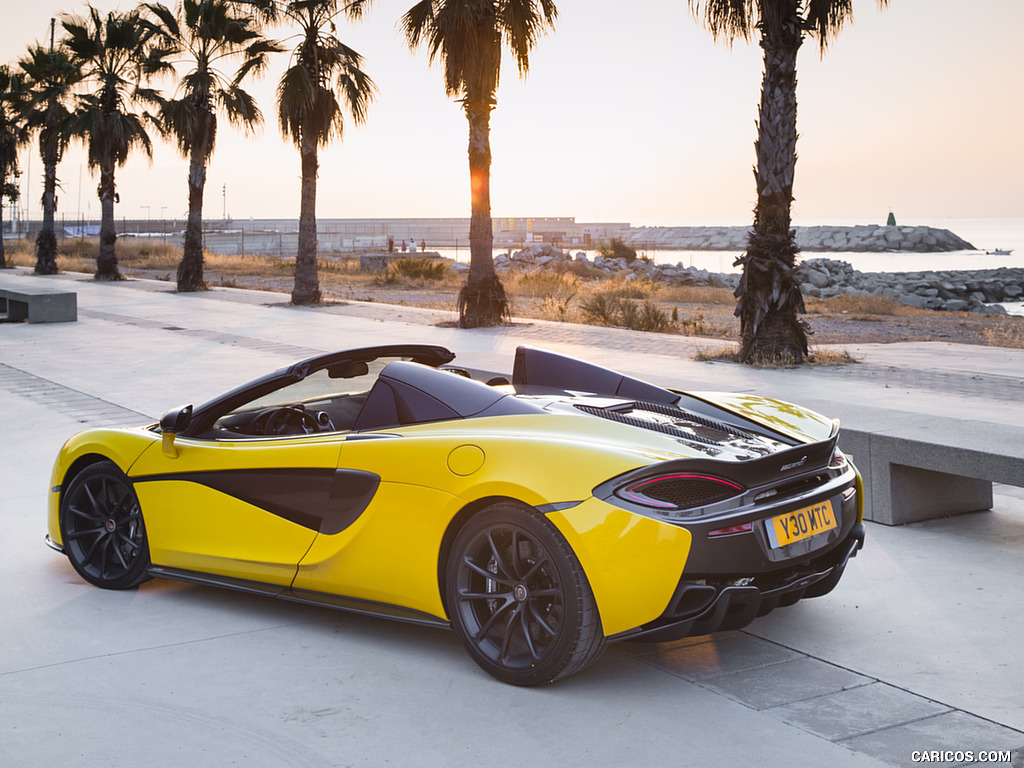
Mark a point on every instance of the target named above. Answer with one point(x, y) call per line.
point(412, 246)
point(405, 246)
point(391, 245)
point(423, 245)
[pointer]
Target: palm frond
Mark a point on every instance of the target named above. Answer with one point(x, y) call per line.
point(522, 22)
point(178, 121)
point(263, 11)
point(240, 108)
point(294, 90)
point(417, 22)
point(726, 19)
point(161, 19)
point(257, 58)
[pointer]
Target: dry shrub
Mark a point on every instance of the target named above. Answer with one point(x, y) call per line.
point(691, 326)
point(730, 354)
point(19, 253)
point(855, 305)
point(340, 265)
point(630, 289)
point(1009, 333)
point(553, 293)
point(825, 357)
point(580, 269)
point(616, 249)
point(696, 294)
point(611, 309)
point(557, 309)
point(542, 284)
point(817, 357)
point(417, 269)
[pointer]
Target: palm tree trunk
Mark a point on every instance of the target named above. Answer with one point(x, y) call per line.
point(307, 281)
point(3, 196)
point(3, 257)
point(482, 300)
point(106, 261)
point(769, 296)
point(46, 240)
point(190, 270)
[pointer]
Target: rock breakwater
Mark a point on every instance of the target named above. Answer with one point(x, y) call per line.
point(979, 290)
point(862, 238)
point(976, 290)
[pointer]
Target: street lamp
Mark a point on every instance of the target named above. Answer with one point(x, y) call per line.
point(147, 215)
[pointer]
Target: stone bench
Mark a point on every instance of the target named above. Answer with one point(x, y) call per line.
point(936, 468)
point(23, 300)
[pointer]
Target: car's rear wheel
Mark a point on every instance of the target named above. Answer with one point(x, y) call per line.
point(519, 599)
point(102, 528)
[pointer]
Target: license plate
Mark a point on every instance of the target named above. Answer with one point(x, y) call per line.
point(800, 524)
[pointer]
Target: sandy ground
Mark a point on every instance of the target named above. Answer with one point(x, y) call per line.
point(828, 325)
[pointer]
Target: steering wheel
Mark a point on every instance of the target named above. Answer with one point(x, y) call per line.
point(284, 420)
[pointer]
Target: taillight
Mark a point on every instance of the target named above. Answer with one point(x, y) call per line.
point(731, 530)
point(679, 491)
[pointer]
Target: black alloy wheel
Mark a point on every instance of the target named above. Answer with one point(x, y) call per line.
point(519, 599)
point(102, 528)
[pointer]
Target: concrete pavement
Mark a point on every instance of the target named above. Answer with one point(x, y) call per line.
point(916, 650)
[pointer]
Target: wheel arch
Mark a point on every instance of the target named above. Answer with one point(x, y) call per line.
point(83, 461)
point(455, 525)
point(62, 478)
point(122, 448)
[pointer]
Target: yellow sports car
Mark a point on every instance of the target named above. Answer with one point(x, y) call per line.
point(541, 517)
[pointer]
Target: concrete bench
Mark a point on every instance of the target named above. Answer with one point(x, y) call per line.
point(37, 303)
point(934, 468)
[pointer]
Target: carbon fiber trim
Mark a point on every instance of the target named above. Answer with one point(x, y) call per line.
point(654, 426)
point(338, 602)
point(701, 609)
point(323, 500)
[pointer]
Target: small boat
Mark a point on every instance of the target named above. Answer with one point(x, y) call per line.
point(999, 252)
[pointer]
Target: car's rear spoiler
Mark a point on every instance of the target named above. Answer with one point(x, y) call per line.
point(803, 459)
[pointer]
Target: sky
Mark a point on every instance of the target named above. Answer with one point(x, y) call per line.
point(630, 113)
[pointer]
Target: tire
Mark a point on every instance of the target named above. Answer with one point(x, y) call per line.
point(519, 600)
point(102, 528)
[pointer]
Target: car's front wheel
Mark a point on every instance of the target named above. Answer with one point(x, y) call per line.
point(519, 599)
point(102, 528)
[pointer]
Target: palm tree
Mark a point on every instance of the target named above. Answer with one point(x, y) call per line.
point(769, 297)
point(109, 50)
point(310, 113)
point(203, 35)
point(13, 134)
point(51, 75)
point(467, 36)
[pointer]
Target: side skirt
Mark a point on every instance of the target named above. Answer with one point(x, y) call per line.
point(309, 597)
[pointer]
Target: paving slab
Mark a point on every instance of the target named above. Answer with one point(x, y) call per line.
point(727, 654)
point(964, 740)
point(857, 711)
point(787, 682)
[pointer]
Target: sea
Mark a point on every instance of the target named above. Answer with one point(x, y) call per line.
point(986, 234)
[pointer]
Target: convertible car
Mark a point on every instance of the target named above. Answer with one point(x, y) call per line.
point(541, 517)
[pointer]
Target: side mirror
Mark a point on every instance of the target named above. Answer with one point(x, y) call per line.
point(176, 421)
point(172, 424)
